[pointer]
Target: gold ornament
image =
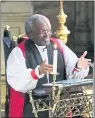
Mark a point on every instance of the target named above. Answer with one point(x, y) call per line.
point(62, 31)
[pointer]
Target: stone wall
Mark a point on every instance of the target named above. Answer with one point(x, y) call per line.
point(14, 14)
point(80, 22)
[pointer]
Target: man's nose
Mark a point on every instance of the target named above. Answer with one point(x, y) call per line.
point(46, 32)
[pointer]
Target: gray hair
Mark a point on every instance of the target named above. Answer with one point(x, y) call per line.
point(29, 22)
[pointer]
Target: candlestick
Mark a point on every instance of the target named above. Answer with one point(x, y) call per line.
point(61, 4)
point(55, 53)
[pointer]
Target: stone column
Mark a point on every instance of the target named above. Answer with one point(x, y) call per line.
point(90, 23)
point(81, 28)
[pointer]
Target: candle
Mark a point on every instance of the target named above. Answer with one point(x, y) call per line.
point(61, 4)
point(55, 53)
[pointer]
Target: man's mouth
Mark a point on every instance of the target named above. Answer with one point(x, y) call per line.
point(47, 38)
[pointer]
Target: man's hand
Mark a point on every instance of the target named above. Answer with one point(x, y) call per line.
point(83, 62)
point(45, 68)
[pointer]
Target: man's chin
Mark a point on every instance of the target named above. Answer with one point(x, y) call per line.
point(46, 42)
point(43, 43)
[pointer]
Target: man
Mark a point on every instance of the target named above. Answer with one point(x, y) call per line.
point(30, 62)
point(7, 42)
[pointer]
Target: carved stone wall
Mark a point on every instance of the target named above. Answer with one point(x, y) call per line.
point(80, 22)
point(14, 14)
point(83, 33)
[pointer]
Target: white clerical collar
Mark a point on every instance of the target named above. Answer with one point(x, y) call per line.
point(40, 47)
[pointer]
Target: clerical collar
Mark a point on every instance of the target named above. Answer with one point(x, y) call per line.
point(40, 47)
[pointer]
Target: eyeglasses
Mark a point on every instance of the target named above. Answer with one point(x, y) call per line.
point(42, 31)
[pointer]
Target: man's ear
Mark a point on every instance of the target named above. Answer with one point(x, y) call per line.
point(30, 35)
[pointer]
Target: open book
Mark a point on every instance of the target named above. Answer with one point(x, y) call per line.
point(71, 82)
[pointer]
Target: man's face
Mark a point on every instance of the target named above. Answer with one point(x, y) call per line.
point(41, 32)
